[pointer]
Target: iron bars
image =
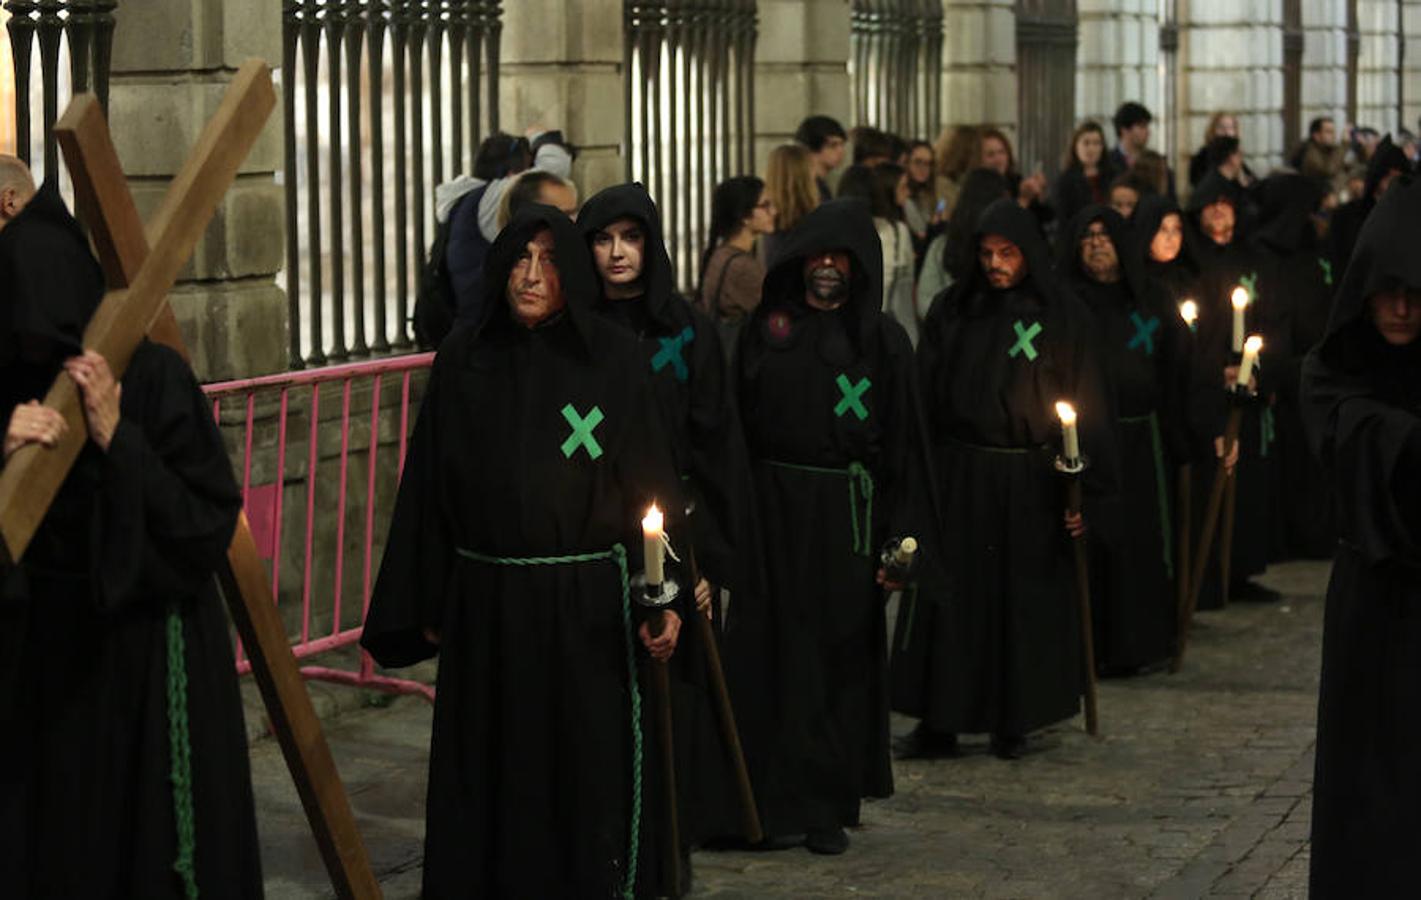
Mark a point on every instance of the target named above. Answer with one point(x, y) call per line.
point(689, 67)
point(384, 100)
point(895, 65)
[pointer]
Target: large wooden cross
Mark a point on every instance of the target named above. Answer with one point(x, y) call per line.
point(140, 265)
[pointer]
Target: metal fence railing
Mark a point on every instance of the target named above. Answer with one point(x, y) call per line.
point(895, 65)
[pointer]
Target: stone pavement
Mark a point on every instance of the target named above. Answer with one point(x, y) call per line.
point(1199, 787)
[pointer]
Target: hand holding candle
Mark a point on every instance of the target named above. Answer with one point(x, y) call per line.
point(1070, 437)
point(1251, 347)
point(651, 529)
point(1240, 303)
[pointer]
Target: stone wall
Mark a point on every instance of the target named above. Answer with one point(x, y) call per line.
point(801, 68)
point(979, 63)
point(1324, 79)
point(1117, 58)
point(1234, 64)
point(1378, 23)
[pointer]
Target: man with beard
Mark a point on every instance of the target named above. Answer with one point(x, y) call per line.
point(537, 451)
point(827, 392)
point(123, 772)
point(1291, 233)
point(998, 350)
point(681, 349)
point(1227, 260)
point(1361, 398)
point(1141, 340)
point(1388, 162)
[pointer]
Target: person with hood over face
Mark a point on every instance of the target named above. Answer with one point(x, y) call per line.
point(999, 349)
point(1142, 342)
point(123, 771)
point(681, 351)
point(1290, 232)
point(537, 452)
point(1388, 162)
point(1361, 401)
point(831, 414)
point(1229, 259)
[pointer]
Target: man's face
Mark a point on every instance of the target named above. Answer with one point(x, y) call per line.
point(995, 155)
point(1124, 199)
point(1137, 136)
point(826, 278)
point(1397, 315)
point(560, 197)
point(534, 288)
point(831, 155)
point(1217, 220)
point(12, 202)
point(1098, 254)
point(1327, 133)
point(1168, 240)
point(618, 250)
point(1002, 261)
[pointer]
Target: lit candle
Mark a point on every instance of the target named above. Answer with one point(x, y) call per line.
point(906, 549)
point(1250, 359)
point(1070, 438)
point(1189, 312)
point(651, 532)
point(1240, 302)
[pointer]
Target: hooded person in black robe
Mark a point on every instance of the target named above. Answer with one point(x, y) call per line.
point(1302, 499)
point(1227, 260)
point(831, 414)
point(1361, 399)
point(1388, 162)
point(537, 451)
point(998, 351)
point(681, 348)
point(123, 771)
point(1141, 340)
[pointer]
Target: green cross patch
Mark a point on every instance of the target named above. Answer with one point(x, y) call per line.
point(1144, 333)
point(582, 431)
point(1024, 338)
point(1249, 283)
point(851, 397)
point(672, 353)
point(1326, 266)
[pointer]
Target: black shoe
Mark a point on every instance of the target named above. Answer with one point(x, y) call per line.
point(924, 743)
point(827, 841)
point(1253, 592)
point(781, 842)
point(1008, 746)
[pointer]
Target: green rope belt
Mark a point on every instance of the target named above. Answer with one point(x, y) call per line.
point(1161, 487)
point(180, 754)
point(618, 555)
point(1268, 432)
point(860, 488)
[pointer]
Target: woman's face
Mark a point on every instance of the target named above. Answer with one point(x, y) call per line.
point(762, 218)
point(920, 165)
point(900, 194)
point(1397, 315)
point(1124, 200)
point(1227, 126)
point(1089, 148)
point(995, 155)
point(1168, 240)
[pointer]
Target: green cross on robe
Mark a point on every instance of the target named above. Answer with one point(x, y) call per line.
point(582, 431)
point(851, 399)
point(1024, 338)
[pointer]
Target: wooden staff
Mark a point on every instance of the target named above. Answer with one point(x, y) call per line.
point(1226, 537)
point(749, 811)
point(660, 679)
point(1078, 547)
point(1182, 557)
point(1206, 533)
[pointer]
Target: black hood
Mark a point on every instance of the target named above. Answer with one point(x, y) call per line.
point(1288, 202)
point(1006, 218)
point(1148, 218)
point(1122, 235)
point(580, 285)
point(835, 225)
point(1213, 188)
point(50, 283)
point(631, 201)
point(1386, 158)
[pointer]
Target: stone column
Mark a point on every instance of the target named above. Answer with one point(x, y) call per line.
point(1234, 63)
point(172, 59)
point(801, 68)
point(1117, 58)
point(1324, 65)
point(979, 63)
point(562, 68)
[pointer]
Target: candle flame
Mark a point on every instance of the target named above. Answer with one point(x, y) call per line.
point(1240, 297)
point(1253, 344)
point(653, 521)
point(1189, 311)
point(1067, 412)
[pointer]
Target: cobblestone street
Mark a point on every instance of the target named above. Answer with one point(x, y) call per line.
point(1200, 786)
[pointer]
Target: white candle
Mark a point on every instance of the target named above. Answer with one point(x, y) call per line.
point(1070, 438)
point(1240, 302)
point(651, 532)
point(1189, 312)
point(906, 549)
point(1250, 359)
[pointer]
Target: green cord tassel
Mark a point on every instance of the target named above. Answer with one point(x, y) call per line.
point(180, 751)
point(861, 485)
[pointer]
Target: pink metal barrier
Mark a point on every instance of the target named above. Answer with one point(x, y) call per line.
point(325, 622)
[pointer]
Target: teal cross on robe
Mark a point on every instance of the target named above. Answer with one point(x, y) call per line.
point(1249, 283)
point(851, 399)
point(582, 431)
point(1144, 333)
point(1326, 266)
point(671, 353)
point(1024, 338)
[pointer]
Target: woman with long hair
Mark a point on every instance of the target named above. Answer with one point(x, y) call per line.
point(926, 208)
point(994, 152)
point(884, 188)
point(950, 256)
point(1085, 173)
point(1221, 124)
point(789, 179)
point(954, 153)
point(731, 275)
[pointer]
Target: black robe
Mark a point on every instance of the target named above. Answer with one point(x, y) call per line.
point(1362, 409)
point(831, 417)
point(1140, 338)
point(531, 444)
point(1348, 219)
point(1301, 496)
point(1005, 657)
point(1223, 268)
point(687, 366)
point(117, 582)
